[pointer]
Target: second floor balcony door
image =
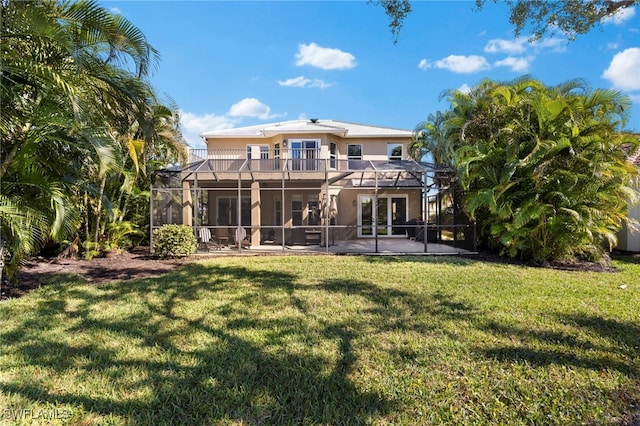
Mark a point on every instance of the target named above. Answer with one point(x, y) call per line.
point(304, 154)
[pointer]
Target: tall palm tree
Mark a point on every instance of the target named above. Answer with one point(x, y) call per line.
point(64, 86)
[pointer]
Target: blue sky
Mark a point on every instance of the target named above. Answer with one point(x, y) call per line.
point(233, 64)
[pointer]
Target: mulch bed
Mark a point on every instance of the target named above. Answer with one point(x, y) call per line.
point(136, 264)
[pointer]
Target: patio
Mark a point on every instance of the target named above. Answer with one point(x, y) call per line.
point(388, 246)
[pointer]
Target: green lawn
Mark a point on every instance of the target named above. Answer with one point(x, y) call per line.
point(327, 340)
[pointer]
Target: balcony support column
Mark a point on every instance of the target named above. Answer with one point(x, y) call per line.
point(187, 203)
point(256, 208)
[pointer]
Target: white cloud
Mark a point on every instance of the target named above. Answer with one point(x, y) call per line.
point(623, 69)
point(555, 44)
point(115, 11)
point(612, 45)
point(465, 88)
point(304, 82)
point(324, 57)
point(424, 64)
point(193, 125)
point(498, 45)
point(460, 64)
point(621, 16)
point(516, 64)
point(251, 107)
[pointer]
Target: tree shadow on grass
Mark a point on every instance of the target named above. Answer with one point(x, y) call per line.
point(627, 258)
point(573, 347)
point(435, 259)
point(186, 366)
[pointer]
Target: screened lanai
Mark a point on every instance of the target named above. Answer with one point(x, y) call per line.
point(307, 204)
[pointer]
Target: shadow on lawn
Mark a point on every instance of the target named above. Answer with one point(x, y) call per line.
point(212, 344)
point(615, 346)
point(190, 369)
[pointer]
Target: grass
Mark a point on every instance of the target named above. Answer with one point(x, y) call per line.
point(327, 340)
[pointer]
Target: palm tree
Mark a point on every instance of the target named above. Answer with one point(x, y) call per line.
point(64, 89)
point(543, 167)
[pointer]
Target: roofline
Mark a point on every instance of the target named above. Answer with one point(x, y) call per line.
point(267, 132)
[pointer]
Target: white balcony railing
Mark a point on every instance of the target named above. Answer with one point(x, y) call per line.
point(261, 158)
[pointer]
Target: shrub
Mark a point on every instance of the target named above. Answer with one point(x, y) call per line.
point(173, 241)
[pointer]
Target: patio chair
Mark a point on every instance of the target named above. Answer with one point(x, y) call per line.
point(222, 235)
point(413, 228)
point(205, 242)
point(242, 238)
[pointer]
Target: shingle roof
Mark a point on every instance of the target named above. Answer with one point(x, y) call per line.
point(314, 126)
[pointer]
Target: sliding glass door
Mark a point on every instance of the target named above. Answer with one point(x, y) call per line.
point(389, 212)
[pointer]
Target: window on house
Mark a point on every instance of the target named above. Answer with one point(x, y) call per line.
point(354, 154)
point(228, 211)
point(203, 208)
point(313, 211)
point(333, 155)
point(394, 151)
point(278, 212)
point(264, 151)
point(296, 210)
point(276, 155)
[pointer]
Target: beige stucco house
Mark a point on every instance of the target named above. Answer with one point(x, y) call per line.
point(299, 182)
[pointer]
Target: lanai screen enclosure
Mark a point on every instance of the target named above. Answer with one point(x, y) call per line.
point(301, 197)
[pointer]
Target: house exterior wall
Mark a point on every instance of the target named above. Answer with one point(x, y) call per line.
point(372, 148)
point(627, 240)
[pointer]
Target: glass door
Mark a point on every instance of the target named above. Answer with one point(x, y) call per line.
point(304, 154)
point(389, 213)
point(365, 216)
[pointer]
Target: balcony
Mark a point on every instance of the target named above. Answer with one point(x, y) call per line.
point(303, 160)
point(259, 159)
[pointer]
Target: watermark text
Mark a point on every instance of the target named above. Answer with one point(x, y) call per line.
point(15, 414)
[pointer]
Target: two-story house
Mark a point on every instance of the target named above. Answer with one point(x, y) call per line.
point(299, 182)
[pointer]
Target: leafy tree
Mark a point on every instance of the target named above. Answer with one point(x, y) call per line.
point(573, 17)
point(544, 168)
point(74, 104)
point(431, 140)
point(397, 11)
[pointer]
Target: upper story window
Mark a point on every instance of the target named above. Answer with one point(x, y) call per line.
point(264, 151)
point(354, 154)
point(354, 151)
point(333, 154)
point(394, 151)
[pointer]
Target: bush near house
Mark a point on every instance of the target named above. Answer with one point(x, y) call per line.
point(173, 241)
point(543, 168)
